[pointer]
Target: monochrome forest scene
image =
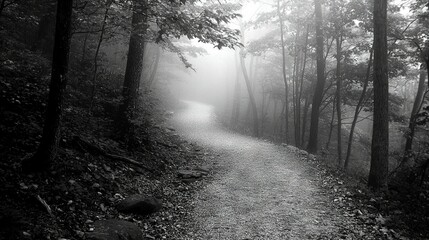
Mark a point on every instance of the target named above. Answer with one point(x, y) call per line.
point(214, 119)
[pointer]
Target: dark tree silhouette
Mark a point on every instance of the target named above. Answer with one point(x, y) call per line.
point(133, 69)
point(318, 92)
point(47, 149)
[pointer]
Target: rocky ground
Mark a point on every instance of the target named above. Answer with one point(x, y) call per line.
point(94, 175)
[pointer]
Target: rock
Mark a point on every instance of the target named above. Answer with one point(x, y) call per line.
point(139, 204)
point(189, 174)
point(115, 230)
point(189, 180)
point(311, 157)
point(203, 169)
point(171, 129)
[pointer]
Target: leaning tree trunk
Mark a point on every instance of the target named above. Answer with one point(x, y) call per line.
point(97, 51)
point(318, 92)
point(47, 150)
point(284, 72)
point(249, 87)
point(380, 135)
point(357, 111)
point(251, 96)
point(416, 108)
point(133, 73)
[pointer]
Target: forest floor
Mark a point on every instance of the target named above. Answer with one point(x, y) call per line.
point(253, 190)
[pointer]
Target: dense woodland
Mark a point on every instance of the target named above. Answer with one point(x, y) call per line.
point(344, 80)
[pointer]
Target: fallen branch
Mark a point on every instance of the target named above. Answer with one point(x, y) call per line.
point(94, 149)
point(166, 145)
point(43, 202)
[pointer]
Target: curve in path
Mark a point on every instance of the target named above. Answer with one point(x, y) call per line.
point(262, 191)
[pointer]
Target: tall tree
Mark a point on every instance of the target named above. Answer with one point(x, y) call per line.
point(318, 92)
point(48, 146)
point(283, 49)
point(133, 69)
point(338, 40)
point(249, 86)
point(380, 135)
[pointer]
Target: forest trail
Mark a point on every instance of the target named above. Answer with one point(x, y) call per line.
point(261, 190)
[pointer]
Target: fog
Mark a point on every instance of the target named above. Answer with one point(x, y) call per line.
point(211, 80)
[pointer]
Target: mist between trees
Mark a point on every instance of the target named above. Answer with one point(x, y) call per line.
point(310, 73)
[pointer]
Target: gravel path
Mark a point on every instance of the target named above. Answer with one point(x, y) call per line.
point(261, 191)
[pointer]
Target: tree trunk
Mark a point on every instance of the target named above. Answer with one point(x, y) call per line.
point(284, 72)
point(47, 150)
point(339, 40)
point(85, 41)
point(304, 121)
point(252, 84)
point(274, 127)
point(251, 96)
point(2, 4)
point(416, 108)
point(331, 125)
point(133, 71)
point(357, 111)
point(301, 84)
point(282, 136)
point(380, 136)
point(155, 68)
point(318, 92)
point(97, 51)
point(235, 115)
point(295, 86)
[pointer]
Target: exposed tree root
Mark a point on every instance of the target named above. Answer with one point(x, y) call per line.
point(94, 149)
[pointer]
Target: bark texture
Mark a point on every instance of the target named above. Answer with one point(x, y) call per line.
point(380, 136)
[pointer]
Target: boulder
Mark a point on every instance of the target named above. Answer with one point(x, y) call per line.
point(115, 230)
point(140, 204)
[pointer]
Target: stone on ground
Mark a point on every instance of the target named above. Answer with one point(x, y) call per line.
point(140, 204)
point(115, 230)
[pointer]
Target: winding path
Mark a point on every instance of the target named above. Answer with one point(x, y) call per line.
point(261, 190)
